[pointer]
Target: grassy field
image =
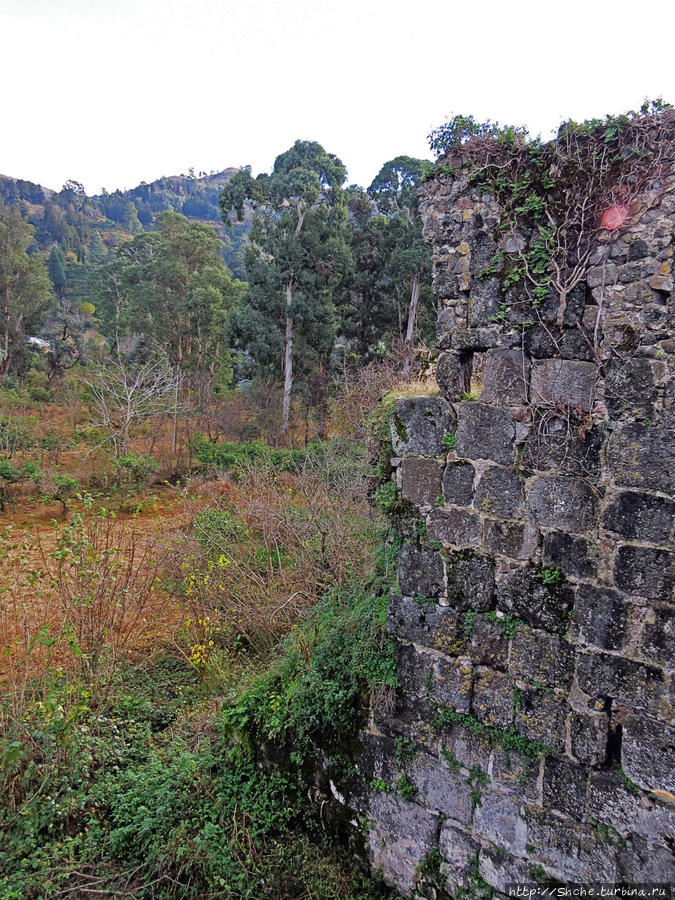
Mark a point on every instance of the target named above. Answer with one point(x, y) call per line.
point(180, 637)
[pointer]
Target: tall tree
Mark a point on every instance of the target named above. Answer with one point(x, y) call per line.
point(395, 192)
point(171, 288)
point(65, 333)
point(298, 250)
point(56, 268)
point(98, 253)
point(367, 317)
point(25, 290)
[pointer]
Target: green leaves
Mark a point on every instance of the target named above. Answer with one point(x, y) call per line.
point(460, 129)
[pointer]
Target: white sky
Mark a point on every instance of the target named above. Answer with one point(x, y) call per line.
point(112, 92)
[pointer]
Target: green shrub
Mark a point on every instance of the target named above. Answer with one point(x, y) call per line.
point(9, 474)
point(112, 797)
point(216, 527)
point(317, 693)
point(135, 471)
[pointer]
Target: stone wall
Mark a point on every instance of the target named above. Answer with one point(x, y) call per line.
point(531, 735)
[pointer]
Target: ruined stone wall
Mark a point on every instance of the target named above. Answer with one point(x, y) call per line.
point(531, 735)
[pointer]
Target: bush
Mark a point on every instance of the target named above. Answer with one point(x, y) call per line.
point(269, 546)
point(317, 694)
point(9, 474)
point(135, 472)
point(216, 528)
point(103, 799)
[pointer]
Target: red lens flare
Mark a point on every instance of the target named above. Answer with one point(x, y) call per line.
point(615, 217)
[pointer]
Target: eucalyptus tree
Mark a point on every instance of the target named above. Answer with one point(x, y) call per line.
point(297, 255)
point(394, 191)
point(365, 310)
point(171, 288)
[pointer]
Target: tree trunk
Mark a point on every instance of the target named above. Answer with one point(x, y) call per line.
point(410, 329)
point(288, 362)
point(4, 361)
point(174, 431)
point(412, 310)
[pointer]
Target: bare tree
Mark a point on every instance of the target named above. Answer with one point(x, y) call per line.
point(124, 396)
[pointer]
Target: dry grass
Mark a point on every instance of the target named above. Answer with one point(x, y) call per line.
point(263, 550)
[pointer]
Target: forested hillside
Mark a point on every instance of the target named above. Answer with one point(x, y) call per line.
point(283, 282)
point(90, 227)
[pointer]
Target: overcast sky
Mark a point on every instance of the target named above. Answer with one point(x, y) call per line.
point(113, 92)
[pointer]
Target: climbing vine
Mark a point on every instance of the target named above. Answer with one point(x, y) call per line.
point(557, 197)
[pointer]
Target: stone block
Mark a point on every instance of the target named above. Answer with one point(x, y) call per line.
point(540, 342)
point(637, 250)
point(452, 683)
point(470, 580)
point(523, 595)
point(545, 342)
point(377, 758)
point(427, 679)
point(574, 310)
point(555, 444)
point(499, 493)
point(445, 284)
point(569, 852)
point(515, 540)
point(657, 640)
point(641, 456)
point(542, 717)
point(514, 774)
point(575, 556)
point(438, 788)
point(644, 571)
point(429, 625)
point(493, 697)
point(498, 869)
point(489, 645)
point(640, 861)
point(458, 483)
point(538, 657)
point(474, 338)
point(453, 374)
point(602, 276)
point(577, 343)
point(454, 527)
point(631, 683)
point(497, 819)
point(600, 618)
point(662, 283)
point(561, 381)
point(629, 812)
point(484, 432)
point(506, 377)
point(457, 849)
point(610, 801)
point(419, 480)
point(588, 732)
point(485, 300)
point(564, 787)
point(416, 677)
point(421, 571)
point(400, 837)
point(418, 425)
point(640, 517)
point(630, 389)
point(648, 753)
point(565, 503)
point(467, 748)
